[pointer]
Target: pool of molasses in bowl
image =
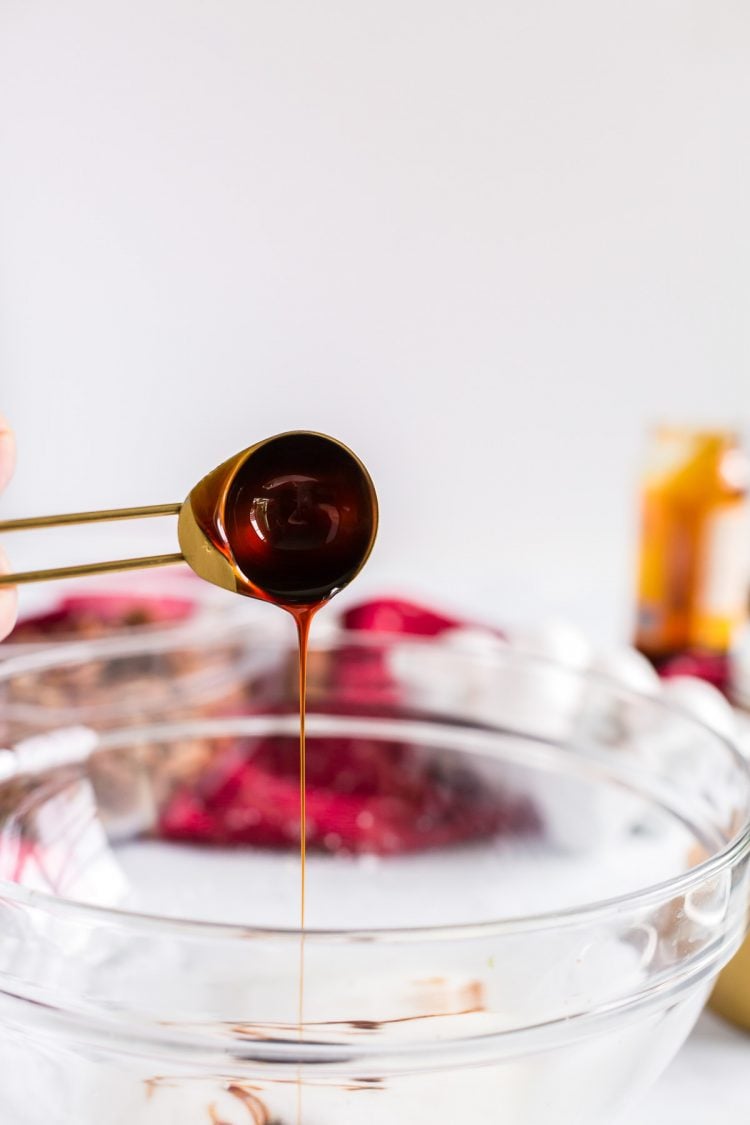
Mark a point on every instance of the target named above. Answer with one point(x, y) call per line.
point(522, 882)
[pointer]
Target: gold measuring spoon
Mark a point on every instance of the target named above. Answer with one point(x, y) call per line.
point(291, 519)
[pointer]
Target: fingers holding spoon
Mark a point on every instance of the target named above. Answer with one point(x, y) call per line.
point(8, 597)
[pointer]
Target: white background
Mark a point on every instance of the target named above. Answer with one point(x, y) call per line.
point(486, 243)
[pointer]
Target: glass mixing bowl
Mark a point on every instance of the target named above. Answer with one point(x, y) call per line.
point(522, 882)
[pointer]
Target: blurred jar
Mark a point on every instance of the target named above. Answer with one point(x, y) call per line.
point(695, 547)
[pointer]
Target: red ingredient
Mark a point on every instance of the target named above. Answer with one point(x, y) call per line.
point(120, 607)
point(713, 667)
point(97, 614)
point(361, 672)
point(17, 856)
point(360, 676)
point(361, 797)
point(395, 615)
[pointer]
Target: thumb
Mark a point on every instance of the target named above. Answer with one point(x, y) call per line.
point(8, 600)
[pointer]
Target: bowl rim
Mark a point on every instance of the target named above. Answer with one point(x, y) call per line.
point(725, 859)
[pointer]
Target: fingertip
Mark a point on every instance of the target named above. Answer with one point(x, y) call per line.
point(8, 611)
point(8, 600)
point(7, 452)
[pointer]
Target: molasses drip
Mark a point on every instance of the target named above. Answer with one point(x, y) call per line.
point(297, 519)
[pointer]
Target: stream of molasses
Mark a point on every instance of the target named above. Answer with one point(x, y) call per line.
point(300, 517)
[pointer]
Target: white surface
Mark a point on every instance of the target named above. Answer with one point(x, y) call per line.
point(495, 880)
point(500, 235)
point(708, 1082)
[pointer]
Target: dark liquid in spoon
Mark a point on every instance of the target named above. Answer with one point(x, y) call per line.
point(300, 518)
point(297, 523)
